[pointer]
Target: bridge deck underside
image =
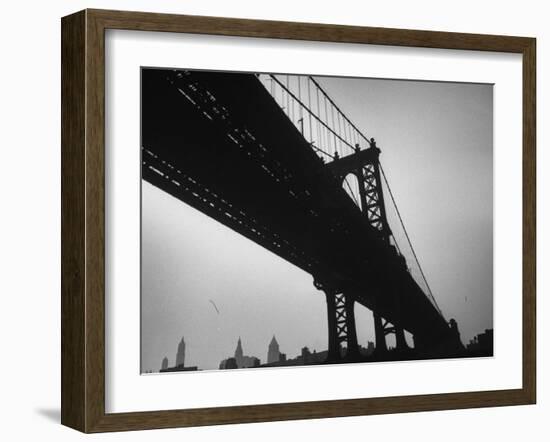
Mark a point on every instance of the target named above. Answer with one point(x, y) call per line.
point(221, 144)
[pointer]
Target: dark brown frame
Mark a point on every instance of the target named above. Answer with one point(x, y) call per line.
point(83, 215)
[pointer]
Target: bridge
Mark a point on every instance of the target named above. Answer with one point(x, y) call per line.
point(275, 159)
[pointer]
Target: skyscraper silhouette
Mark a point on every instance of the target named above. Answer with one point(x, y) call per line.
point(164, 365)
point(273, 353)
point(240, 360)
point(239, 353)
point(180, 356)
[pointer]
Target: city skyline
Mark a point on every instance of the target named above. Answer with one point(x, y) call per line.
point(274, 355)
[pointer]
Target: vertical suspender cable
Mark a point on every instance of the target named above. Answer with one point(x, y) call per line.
point(287, 98)
point(309, 104)
point(300, 108)
point(333, 125)
point(340, 133)
point(326, 116)
point(319, 141)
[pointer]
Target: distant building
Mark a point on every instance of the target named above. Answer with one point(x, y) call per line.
point(485, 341)
point(306, 355)
point(273, 353)
point(180, 361)
point(239, 354)
point(228, 364)
point(180, 355)
point(482, 344)
point(178, 368)
point(244, 361)
point(369, 350)
point(241, 361)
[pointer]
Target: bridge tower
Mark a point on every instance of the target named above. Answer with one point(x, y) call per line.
point(365, 166)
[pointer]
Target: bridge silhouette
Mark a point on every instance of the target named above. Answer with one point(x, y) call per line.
point(275, 159)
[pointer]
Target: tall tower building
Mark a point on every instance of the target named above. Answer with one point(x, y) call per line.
point(180, 356)
point(273, 353)
point(239, 353)
point(164, 365)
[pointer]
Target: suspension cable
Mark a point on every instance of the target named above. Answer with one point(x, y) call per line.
point(409, 241)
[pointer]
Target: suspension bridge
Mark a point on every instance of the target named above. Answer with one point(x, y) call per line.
point(274, 158)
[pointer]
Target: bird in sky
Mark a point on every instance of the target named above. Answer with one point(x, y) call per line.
point(215, 306)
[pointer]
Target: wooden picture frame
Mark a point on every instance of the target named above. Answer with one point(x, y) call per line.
point(83, 220)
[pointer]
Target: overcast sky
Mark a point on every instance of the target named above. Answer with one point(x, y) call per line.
point(437, 152)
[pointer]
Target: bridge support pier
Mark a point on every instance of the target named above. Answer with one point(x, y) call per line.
point(333, 341)
point(341, 326)
point(353, 346)
point(380, 335)
point(400, 341)
point(383, 328)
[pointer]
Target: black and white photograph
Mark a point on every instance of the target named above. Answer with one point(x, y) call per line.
point(301, 220)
